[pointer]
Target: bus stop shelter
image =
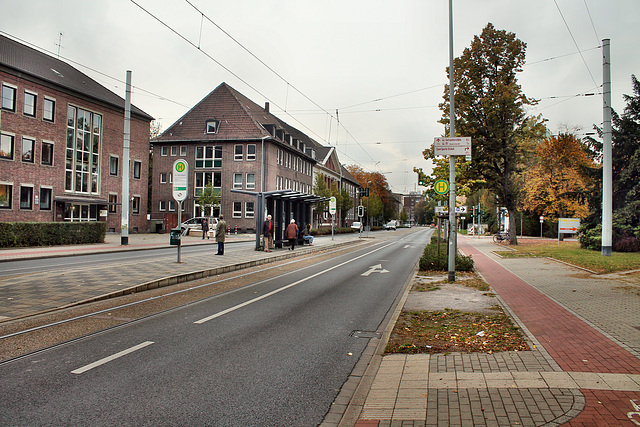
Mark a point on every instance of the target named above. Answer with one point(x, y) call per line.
point(283, 206)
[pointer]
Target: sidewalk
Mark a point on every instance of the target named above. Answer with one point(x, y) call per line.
point(583, 371)
point(24, 295)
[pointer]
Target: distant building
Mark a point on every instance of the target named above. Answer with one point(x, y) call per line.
point(410, 202)
point(62, 142)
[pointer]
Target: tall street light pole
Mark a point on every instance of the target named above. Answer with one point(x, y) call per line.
point(452, 159)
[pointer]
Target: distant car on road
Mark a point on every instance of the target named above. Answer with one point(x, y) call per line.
point(196, 223)
point(357, 225)
point(391, 225)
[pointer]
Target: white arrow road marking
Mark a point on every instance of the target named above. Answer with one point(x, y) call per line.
point(246, 303)
point(112, 357)
point(375, 269)
point(407, 246)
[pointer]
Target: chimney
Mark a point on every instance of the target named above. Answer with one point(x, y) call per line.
point(266, 107)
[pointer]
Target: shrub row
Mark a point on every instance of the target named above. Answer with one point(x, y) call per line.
point(432, 261)
point(25, 234)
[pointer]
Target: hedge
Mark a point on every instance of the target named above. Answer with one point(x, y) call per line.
point(26, 234)
point(432, 261)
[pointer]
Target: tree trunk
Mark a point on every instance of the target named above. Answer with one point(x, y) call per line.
point(513, 233)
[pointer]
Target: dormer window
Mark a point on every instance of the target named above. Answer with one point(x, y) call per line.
point(212, 126)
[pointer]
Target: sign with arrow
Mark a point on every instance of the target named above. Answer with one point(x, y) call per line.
point(568, 225)
point(375, 269)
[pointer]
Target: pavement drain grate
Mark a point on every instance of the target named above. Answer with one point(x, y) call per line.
point(365, 334)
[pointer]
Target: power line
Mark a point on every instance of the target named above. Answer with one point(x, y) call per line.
point(561, 56)
point(575, 43)
point(592, 25)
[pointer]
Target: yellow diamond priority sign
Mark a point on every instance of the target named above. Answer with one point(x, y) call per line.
point(441, 186)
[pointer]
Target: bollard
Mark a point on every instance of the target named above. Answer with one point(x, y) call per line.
point(236, 231)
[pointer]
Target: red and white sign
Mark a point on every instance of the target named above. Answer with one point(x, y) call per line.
point(452, 146)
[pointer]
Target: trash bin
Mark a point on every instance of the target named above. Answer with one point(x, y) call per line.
point(174, 239)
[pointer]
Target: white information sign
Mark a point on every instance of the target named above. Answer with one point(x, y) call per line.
point(452, 146)
point(332, 205)
point(180, 179)
point(568, 225)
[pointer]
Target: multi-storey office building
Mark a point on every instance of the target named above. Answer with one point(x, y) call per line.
point(61, 144)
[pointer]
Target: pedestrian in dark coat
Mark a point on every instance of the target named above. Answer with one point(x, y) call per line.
point(267, 232)
point(291, 233)
point(205, 228)
point(221, 229)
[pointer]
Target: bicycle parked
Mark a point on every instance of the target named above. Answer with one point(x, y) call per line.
point(501, 236)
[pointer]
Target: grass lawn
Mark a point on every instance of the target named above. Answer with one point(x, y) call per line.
point(570, 251)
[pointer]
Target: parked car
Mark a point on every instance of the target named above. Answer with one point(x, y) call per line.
point(196, 223)
point(391, 225)
point(357, 225)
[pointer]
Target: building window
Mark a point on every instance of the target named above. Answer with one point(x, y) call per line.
point(82, 160)
point(249, 211)
point(163, 178)
point(238, 152)
point(172, 205)
point(46, 155)
point(45, 199)
point(164, 151)
point(135, 205)
point(26, 197)
point(9, 97)
point(206, 178)
point(113, 203)
point(49, 109)
point(113, 165)
point(163, 205)
point(209, 157)
point(183, 150)
point(237, 181)
point(28, 148)
point(6, 146)
point(212, 126)
point(30, 101)
point(251, 181)
point(137, 169)
point(174, 150)
point(237, 209)
point(6, 190)
point(251, 152)
point(76, 212)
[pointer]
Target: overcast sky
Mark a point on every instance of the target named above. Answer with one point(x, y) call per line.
point(381, 64)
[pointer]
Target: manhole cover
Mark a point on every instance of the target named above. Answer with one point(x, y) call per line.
point(365, 334)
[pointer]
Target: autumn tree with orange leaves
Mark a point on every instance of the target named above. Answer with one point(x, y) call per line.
point(556, 183)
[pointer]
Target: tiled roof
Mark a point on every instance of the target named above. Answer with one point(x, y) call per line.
point(17, 57)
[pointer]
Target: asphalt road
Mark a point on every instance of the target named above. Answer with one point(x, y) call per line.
point(272, 353)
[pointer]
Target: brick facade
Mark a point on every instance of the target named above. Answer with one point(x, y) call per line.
point(22, 171)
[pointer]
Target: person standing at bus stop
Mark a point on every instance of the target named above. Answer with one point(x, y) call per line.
point(221, 229)
point(292, 233)
point(205, 228)
point(267, 232)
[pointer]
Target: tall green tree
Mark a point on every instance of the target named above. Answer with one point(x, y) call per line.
point(320, 189)
point(625, 169)
point(490, 108)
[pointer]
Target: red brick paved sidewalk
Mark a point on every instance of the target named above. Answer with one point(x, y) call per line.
point(572, 343)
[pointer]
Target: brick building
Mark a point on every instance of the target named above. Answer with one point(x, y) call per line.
point(61, 146)
point(222, 138)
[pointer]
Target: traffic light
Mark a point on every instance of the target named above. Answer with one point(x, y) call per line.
point(360, 211)
point(366, 192)
point(420, 181)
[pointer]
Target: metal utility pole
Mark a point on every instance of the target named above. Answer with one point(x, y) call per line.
point(124, 227)
point(452, 159)
point(607, 187)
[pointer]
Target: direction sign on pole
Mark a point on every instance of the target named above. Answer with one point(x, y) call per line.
point(452, 146)
point(568, 225)
point(180, 179)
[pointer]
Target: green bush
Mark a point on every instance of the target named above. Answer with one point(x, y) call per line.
point(432, 261)
point(590, 238)
point(26, 234)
